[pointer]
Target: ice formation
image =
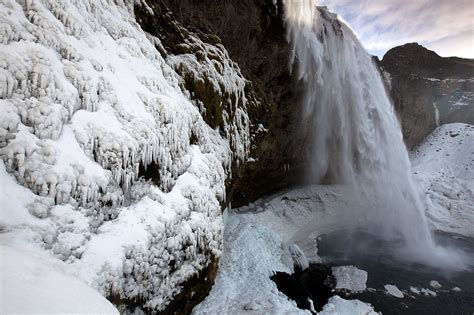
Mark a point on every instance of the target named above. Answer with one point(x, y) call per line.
point(86, 101)
point(350, 278)
point(394, 291)
point(357, 139)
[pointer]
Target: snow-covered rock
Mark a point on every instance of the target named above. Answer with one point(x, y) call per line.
point(435, 284)
point(89, 103)
point(393, 290)
point(428, 292)
point(340, 306)
point(37, 284)
point(299, 259)
point(350, 278)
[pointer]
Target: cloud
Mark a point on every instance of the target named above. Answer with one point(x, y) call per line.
point(446, 26)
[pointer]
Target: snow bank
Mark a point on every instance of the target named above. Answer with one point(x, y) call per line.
point(35, 284)
point(87, 106)
point(444, 166)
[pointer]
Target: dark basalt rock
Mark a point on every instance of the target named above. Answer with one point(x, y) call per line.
point(421, 82)
point(253, 33)
point(315, 283)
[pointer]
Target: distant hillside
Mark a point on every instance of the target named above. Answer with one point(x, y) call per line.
point(428, 90)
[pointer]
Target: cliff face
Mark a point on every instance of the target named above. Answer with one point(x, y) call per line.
point(428, 90)
point(253, 33)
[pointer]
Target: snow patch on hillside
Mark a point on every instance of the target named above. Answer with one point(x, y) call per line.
point(444, 166)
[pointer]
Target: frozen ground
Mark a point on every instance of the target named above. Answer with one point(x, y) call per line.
point(258, 238)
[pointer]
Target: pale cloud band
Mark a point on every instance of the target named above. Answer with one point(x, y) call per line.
point(445, 26)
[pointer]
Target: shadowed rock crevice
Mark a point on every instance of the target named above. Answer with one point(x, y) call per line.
point(315, 284)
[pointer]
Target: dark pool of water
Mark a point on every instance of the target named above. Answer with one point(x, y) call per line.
point(384, 267)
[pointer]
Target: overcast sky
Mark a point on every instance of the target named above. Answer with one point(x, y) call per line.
point(445, 26)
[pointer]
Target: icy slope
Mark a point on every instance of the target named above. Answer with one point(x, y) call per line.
point(31, 283)
point(88, 104)
point(444, 166)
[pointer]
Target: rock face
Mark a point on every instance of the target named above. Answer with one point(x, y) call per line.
point(253, 33)
point(428, 90)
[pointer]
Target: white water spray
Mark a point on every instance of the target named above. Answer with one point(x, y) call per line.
point(357, 137)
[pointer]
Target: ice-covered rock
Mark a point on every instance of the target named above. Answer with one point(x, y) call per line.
point(338, 305)
point(414, 290)
point(299, 258)
point(33, 283)
point(393, 290)
point(435, 284)
point(109, 161)
point(350, 278)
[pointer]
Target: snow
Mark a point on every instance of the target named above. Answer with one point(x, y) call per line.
point(350, 278)
point(414, 290)
point(86, 100)
point(444, 167)
point(428, 292)
point(340, 306)
point(435, 284)
point(394, 291)
point(299, 259)
point(35, 284)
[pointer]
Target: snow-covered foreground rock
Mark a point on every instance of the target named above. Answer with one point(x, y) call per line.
point(90, 106)
point(444, 166)
point(33, 284)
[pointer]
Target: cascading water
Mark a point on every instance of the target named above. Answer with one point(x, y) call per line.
point(357, 137)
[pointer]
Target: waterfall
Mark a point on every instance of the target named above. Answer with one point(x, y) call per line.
point(357, 139)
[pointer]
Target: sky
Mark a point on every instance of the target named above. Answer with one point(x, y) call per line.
point(445, 26)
